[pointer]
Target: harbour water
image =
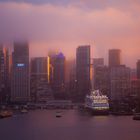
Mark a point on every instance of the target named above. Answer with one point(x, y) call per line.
point(73, 125)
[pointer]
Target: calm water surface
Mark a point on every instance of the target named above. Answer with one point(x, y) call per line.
point(73, 125)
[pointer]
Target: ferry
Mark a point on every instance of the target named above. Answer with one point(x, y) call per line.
point(97, 103)
point(5, 114)
point(24, 111)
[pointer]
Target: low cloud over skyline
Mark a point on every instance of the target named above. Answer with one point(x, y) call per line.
point(65, 24)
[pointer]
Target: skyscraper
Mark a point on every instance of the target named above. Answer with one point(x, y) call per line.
point(59, 70)
point(101, 79)
point(114, 57)
point(120, 82)
point(40, 89)
point(138, 78)
point(20, 76)
point(39, 65)
point(100, 76)
point(52, 57)
point(138, 69)
point(58, 74)
point(98, 62)
point(83, 71)
point(4, 74)
point(72, 82)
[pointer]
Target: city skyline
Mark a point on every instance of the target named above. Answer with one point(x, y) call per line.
point(69, 69)
point(64, 25)
point(10, 47)
point(54, 71)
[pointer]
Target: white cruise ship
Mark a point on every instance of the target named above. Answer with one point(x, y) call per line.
point(97, 103)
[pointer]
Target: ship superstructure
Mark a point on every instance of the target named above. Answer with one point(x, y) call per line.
point(97, 102)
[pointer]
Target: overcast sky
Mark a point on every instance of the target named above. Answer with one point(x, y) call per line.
point(64, 24)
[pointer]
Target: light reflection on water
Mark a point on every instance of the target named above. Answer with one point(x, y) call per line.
point(73, 125)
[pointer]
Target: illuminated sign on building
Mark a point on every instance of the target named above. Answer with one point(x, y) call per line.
point(20, 65)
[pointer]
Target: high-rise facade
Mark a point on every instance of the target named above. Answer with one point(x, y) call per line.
point(101, 79)
point(135, 87)
point(120, 82)
point(59, 73)
point(114, 57)
point(4, 74)
point(39, 65)
point(40, 89)
point(138, 78)
point(100, 76)
point(52, 57)
point(98, 62)
point(71, 90)
point(20, 76)
point(83, 71)
point(138, 69)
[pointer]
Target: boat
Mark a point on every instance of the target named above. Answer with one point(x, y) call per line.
point(24, 111)
point(58, 114)
point(136, 116)
point(97, 103)
point(5, 114)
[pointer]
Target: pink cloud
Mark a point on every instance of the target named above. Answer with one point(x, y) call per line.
point(64, 28)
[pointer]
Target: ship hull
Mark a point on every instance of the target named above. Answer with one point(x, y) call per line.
point(97, 103)
point(97, 112)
